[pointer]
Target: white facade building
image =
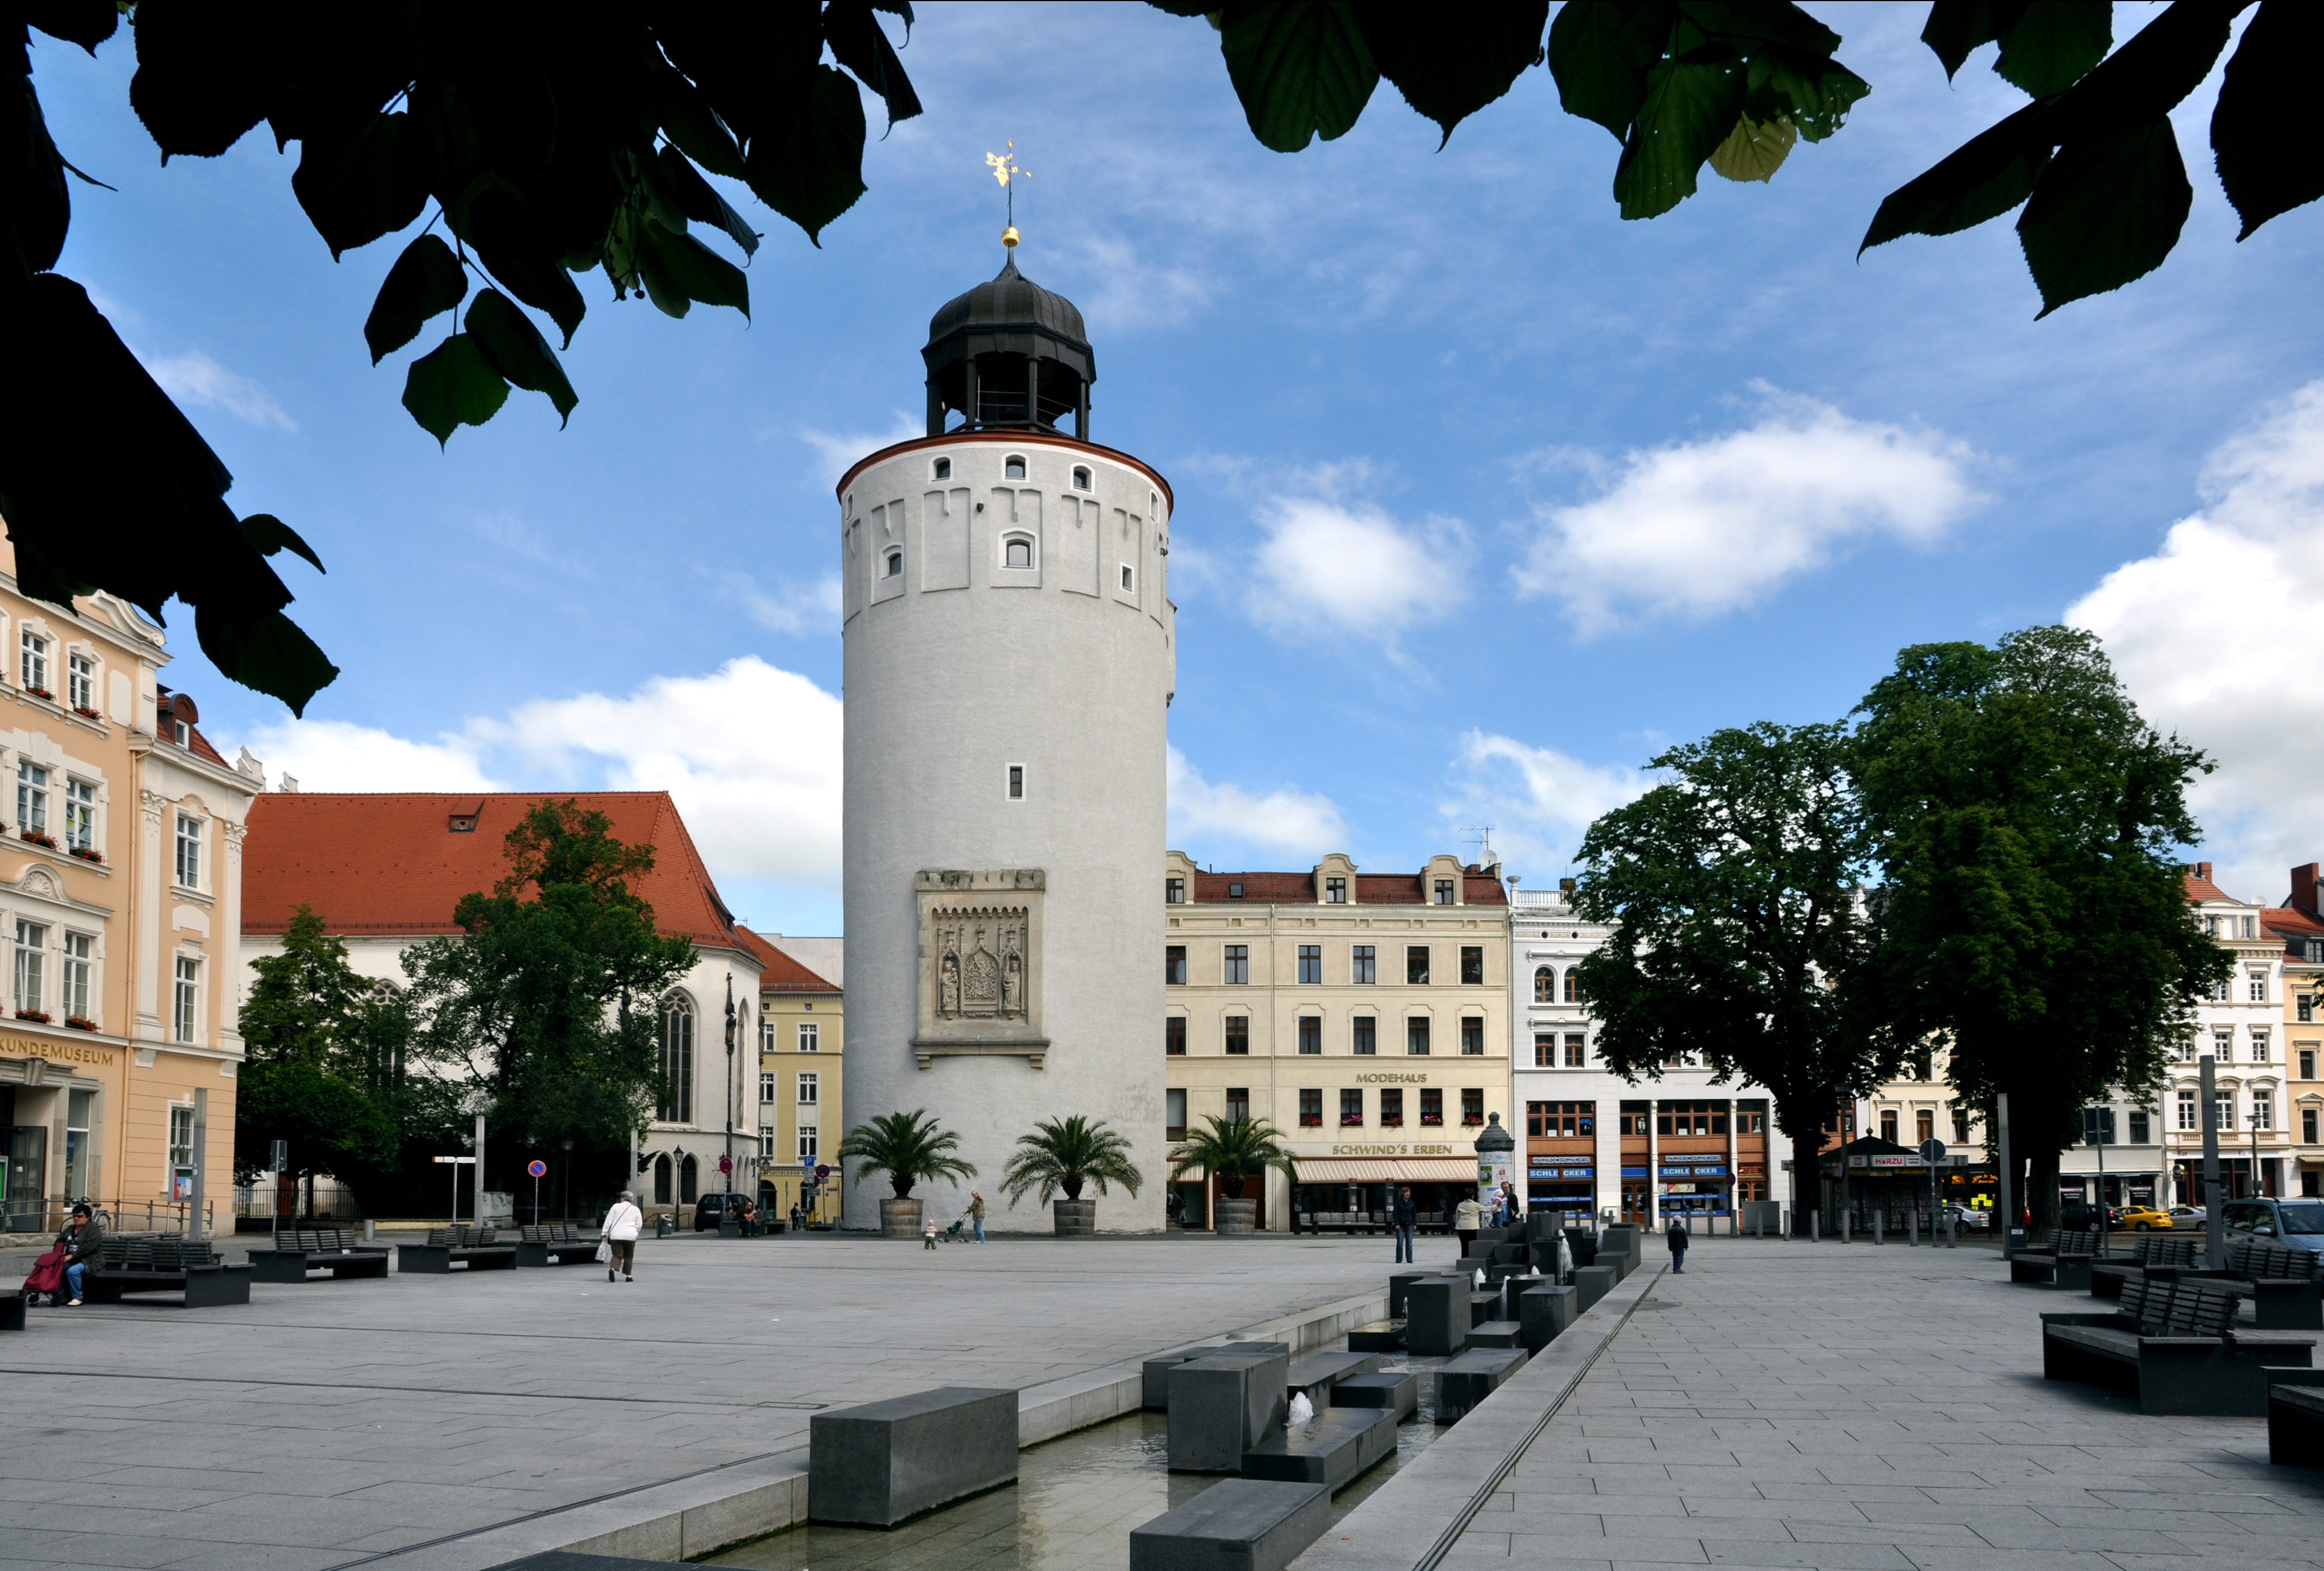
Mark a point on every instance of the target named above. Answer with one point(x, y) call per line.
point(1009, 662)
point(2242, 1026)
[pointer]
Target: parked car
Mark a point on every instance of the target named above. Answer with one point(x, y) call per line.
point(2145, 1219)
point(2090, 1217)
point(2188, 1215)
point(1967, 1218)
point(711, 1208)
point(2296, 1223)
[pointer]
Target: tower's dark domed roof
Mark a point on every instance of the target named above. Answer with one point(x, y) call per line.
point(1009, 354)
point(1006, 303)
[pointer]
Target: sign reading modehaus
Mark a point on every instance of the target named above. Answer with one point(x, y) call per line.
point(979, 952)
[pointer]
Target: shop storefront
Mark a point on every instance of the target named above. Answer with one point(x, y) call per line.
point(1561, 1184)
point(1694, 1186)
point(1356, 1193)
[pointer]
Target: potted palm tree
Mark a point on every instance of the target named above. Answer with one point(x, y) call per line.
point(908, 1147)
point(1066, 1153)
point(1230, 1150)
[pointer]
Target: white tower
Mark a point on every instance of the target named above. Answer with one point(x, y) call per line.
point(1009, 661)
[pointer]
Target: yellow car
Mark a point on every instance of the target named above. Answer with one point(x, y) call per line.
point(2145, 1219)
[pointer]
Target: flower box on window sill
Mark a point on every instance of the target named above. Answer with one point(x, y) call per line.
point(41, 693)
point(1391, 1123)
point(1471, 1123)
point(33, 1014)
point(88, 854)
point(35, 837)
point(86, 713)
point(1351, 1123)
point(1311, 1123)
point(79, 1024)
point(1432, 1122)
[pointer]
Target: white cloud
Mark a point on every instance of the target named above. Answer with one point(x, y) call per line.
point(2207, 635)
point(750, 753)
point(838, 450)
point(1329, 564)
point(801, 610)
point(1296, 822)
point(194, 377)
point(1695, 528)
point(1128, 289)
point(1537, 799)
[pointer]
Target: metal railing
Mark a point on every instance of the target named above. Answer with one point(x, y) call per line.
point(49, 1216)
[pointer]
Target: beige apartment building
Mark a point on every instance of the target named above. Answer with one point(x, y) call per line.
point(802, 1041)
point(1366, 1016)
point(120, 894)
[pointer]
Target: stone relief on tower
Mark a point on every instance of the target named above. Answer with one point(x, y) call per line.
point(979, 964)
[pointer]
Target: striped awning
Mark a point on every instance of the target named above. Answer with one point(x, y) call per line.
point(1387, 1169)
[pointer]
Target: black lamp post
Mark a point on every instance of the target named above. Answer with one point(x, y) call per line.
point(566, 1174)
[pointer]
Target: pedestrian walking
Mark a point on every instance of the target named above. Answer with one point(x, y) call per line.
point(1675, 1236)
point(1467, 1218)
point(976, 1213)
point(928, 1234)
point(1405, 1219)
point(623, 1222)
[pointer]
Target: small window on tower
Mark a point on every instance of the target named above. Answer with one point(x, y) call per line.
point(1014, 468)
point(1128, 578)
point(1081, 479)
point(1017, 551)
point(895, 564)
point(1016, 783)
point(944, 469)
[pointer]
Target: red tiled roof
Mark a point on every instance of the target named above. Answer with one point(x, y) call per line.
point(2203, 889)
point(1371, 889)
point(783, 974)
point(388, 863)
point(201, 748)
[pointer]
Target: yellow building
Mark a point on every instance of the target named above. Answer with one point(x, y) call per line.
point(120, 896)
point(802, 1038)
point(1365, 1016)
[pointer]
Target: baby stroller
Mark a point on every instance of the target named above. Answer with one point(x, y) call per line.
point(47, 1280)
point(953, 1234)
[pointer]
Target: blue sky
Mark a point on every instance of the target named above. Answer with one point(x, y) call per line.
point(1483, 493)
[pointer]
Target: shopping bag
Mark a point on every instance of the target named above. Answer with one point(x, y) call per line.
point(604, 1252)
point(47, 1275)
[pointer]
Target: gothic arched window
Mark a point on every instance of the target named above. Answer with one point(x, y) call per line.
point(688, 1178)
point(677, 1104)
point(661, 1182)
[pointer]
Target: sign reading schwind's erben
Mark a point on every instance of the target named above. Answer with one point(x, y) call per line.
point(979, 953)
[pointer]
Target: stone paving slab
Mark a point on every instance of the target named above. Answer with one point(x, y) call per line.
point(327, 1424)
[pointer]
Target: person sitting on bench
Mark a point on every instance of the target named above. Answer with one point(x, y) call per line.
point(79, 1241)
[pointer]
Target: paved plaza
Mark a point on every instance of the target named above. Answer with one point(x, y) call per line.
point(326, 1423)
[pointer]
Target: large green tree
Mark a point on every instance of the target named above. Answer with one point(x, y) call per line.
point(547, 1004)
point(1741, 942)
point(2026, 821)
point(314, 1075)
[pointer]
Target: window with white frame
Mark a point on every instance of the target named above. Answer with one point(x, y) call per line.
point(79, 967)
point(2257, 986)
point(81, 682)
point(32, 967)
point(2263, 1110)
point(767, 1144)
point(183, 1012)
point(2223, 1045)
point(1017, 551)
point(810, 1037)
point(809, 1142)
point(80, 815)
point(190, 851)
point(810, 1089)
point(33, 662)
point(2251, 927)
point(181, 1137)
point(2259, 1045)
point(2187, 1117)
point(767, 1041)
point(766, 1087)
point(31, 797)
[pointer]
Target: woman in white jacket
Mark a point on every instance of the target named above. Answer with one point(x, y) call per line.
point(623, 1222)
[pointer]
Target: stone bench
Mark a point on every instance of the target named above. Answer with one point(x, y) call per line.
point(2174, 1345)
point(1315, 1373)
point(1239, 1524)
point(299, 1250)
point(2295, 1418)
point(1470, 1377)
point(1377, 1336)
point(1497, 1334)
point(1330, 1449)
point(1223, 1406)
point(474, 1248)
point(885, 1463)
point(12, 1309)
point(1437, 1317)
point(1593, 1282)
point(1398, 1393)
point(1544, 1311)
point(1153, 1388)
point(555, 1244)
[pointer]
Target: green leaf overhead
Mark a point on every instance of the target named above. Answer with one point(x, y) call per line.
point(425, 281)
point(270, 534)
point(1451, 61)
point(1600, 55)
point(2106, 211)
point(1302, 69)
point(2044, 48)
point(1689, 110)
point(452, 385)
point(1983, 178)
point(511, 345)
point(2261, 128)
point(679, 270)
point(809, 164)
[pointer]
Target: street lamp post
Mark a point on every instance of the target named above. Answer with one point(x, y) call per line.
point(478, 1104)
point(2257, 1114)
point(732, 1091)
point(565, 1176)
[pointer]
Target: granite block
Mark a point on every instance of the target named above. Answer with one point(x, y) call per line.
point(1437, 1317)
point(1222, 1407)
point(1398, 1393)
point(1330, 1449)
point(1240, 1524)
point(1473, 1377)
point(884, 1462)
point(1544, 1311)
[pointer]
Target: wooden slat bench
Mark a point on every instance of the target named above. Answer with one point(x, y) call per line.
point(555, 1243)
point(163, 1265)
point(2149, 1253)
point(2286, 1285)
point(299, 1250)
point(472, 1247)
point(2065, 1264)
point(2174, 1344)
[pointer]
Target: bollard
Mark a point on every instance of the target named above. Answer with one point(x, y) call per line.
point(1913, 1225)
point(1847, 1227)
point(1815, 1227)
point(1877, 1230)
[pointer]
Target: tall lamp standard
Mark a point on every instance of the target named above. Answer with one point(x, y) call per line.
point(479, 1103)
point(731, 1091)
point(2258, 1122)
point(565, 1176)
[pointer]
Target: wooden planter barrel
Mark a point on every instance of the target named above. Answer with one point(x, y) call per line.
point(1238, 1216)
point(900, 1218)
point(1076, 1218)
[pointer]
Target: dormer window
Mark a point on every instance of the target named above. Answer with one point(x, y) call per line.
point(1335, 892)
point(1014, 468)
point(181, 734)
point(944, 469)
point(1174, 892)
point(1081, 479)
point(1017, 551)
point(1234, 891)
point(895, 567)
point(462, 822)
point(1443, 892)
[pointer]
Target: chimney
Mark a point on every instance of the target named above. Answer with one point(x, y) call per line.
point(2203, 871)
point(2304, 888)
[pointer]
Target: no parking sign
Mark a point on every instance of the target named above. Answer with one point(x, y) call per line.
point(537, 1167)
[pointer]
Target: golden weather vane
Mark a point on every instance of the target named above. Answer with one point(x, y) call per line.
point(1004, 168)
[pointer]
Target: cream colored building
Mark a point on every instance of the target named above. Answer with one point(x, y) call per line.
point(1366, 1016)
point(120, 896)
point(802, 1041)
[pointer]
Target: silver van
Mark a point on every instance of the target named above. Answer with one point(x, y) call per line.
point(2297, 1224)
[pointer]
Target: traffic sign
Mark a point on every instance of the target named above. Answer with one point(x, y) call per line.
point(1932, 1152)
point(537, 1167)
point(822, 1171)
point(456, 1159)
point(725, 1164)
